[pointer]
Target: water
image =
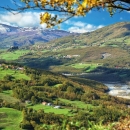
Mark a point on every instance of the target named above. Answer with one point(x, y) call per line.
point(119, 90)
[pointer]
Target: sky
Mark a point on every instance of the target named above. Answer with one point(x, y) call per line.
point(92, 21)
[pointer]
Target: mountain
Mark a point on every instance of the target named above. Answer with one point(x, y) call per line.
point(115, 35)
point(105, 51)
point(17, 36)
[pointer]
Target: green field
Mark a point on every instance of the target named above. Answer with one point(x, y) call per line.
point(7, 96)
point(13, 55)
point(76, 68)
point(88, 67)
point(10, 119)
point(51, 109)
point(77, 104)
point(8, 92)
point(17, 74)
point(63, 110)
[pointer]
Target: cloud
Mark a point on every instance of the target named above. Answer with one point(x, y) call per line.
point(76, 29)
point(82, 27)
point(31, 19)
point(26, 19)
point(100, 26)
point(79, 24)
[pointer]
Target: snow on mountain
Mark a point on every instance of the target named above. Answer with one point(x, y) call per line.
point(4, 29)
point(10, 35)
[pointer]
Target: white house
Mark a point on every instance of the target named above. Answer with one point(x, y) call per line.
point(57, 107)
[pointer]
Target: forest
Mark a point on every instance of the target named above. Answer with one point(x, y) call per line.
point(59, 90)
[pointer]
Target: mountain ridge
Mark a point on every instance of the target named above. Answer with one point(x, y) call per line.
point(18, 36)
point(115, 35)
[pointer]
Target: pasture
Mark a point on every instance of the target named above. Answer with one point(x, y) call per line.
point(17, 74)
point(86, 66)
point(77, 104)
point(66, 110)
point(8, 92)
point(50, 109)
point(13, 55)
point(7, 96)
point(10, 119)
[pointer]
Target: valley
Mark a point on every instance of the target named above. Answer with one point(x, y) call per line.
point(37, 97)
point(73, 81)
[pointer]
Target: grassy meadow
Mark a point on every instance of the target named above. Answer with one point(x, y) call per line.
point(63, 110)
point(13, 55)
point(86, 66)
point(8, 92)
point(51, 109)
point(17, 74)
point(77, 104)
point(8, 96)
point(10, 119)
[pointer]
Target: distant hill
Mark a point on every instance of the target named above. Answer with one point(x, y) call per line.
point(115, 35)
point(17, 36)
point(105, 51)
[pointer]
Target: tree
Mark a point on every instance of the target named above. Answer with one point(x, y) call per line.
point(68, 8)
point(8, 77)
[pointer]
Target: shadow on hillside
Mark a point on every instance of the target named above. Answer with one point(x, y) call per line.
point(103, 74)
point(2, 128)
point(41, 63)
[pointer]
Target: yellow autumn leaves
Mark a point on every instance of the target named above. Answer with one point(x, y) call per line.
point(50, 21)
point(69, 7)
point(57, 2)
point(76, 7)
point(45, 17)
point(90, 3)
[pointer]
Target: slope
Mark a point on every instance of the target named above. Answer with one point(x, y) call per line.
point(17, 36)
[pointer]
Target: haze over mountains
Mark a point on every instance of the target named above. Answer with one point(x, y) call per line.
point(17, 36)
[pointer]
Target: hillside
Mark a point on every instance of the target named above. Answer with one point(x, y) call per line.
point(84, 53)
point(63, 98)
point(17, 36)
point(55, 101)
point(116, 35)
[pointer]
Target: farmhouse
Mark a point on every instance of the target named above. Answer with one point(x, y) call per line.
point(49, 104)
point(57, 107)
point(20, 68)
point(27, 101)
point(44, 103)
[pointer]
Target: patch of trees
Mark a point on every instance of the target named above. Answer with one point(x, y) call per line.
point(13, 48)
point(33, 119)
point(49, 87)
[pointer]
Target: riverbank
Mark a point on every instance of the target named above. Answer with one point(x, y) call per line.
point(116, 87)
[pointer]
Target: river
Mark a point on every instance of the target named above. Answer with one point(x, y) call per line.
point(119, 90)
point(116, 88)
